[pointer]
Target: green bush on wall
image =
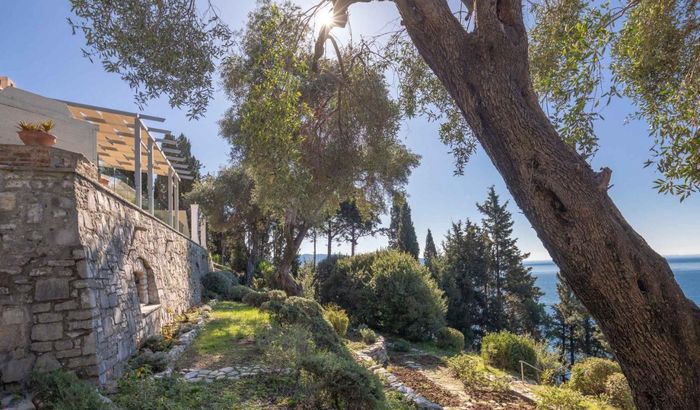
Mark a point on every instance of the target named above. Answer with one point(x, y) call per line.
point(505, 350)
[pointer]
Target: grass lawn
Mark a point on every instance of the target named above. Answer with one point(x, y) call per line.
point(227, 340)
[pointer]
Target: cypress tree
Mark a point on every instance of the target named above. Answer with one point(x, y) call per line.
point(430, 251)
point(395, 221)
point(407, 240)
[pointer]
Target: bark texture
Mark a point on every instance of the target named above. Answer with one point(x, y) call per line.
point(652, 327)
point(292, 241)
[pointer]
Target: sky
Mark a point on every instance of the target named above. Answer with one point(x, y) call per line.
point(40, 53)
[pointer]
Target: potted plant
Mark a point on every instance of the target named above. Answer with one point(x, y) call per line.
point(36, 133)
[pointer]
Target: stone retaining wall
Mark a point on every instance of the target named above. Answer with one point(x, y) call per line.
point(85, 276)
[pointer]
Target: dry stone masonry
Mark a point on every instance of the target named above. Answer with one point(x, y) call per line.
point(85, 276)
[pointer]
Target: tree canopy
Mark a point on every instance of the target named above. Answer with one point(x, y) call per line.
point(309, 139)
point(583, 53)
point(160, 47)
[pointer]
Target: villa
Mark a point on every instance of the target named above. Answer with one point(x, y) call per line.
point(90, 264)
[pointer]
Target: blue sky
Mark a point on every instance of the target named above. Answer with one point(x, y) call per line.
point(38, 51)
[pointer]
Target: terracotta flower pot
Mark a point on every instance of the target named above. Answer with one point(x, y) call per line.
point(37, 138)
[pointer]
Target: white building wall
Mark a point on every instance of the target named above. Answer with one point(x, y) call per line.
point(72, 135)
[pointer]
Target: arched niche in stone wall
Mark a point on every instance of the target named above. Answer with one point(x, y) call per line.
point(145, 283)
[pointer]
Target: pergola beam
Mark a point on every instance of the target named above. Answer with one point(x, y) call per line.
point(111, 110)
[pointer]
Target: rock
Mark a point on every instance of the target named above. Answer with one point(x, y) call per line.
point(48, 331)
point(46, 363)
point(51, 289)
point(7, 201)
point(17, 370)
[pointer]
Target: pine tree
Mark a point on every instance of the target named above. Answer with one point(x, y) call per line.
point(430, 251)
point(358, 223)
point(512, 294)
point(574, 331)
point(407, 241)
point(462, 276)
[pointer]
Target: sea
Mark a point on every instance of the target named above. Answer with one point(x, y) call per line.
point(686, 269)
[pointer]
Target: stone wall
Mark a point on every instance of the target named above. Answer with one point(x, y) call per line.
point(85, 276)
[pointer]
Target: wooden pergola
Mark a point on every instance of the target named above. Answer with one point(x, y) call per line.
point(124, 142)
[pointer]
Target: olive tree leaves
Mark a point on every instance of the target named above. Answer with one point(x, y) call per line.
point(583, 53)
point(157, 47)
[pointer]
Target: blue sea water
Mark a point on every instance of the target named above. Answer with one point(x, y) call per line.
point(685, 268)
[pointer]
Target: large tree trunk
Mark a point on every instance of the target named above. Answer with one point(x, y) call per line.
point(329, 242)
point(293, 241)
point(652, 327)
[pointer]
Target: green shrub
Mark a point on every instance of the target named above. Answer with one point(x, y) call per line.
point(276, 295)
point(238, 292)
point(388, 290)
point(157, 343)
point(618, 392)
point(62, 390)
point(308, 313)
point(339, 382)
point(589, 375)
point(283, 346)
point(368, 335)
point(152, 361)
point(345, 282)
point(550, 377)
point(549, 362)
point(407, 300)
point(498, 384)
point(401, 345)
point(505, 350)
point(173, 393)
point(182, 329)
point(449, 338)
point(256, 299)
point(219, 283)
point(559, 398)
point(338, 319)
point(467, 369)
point(264, 275)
